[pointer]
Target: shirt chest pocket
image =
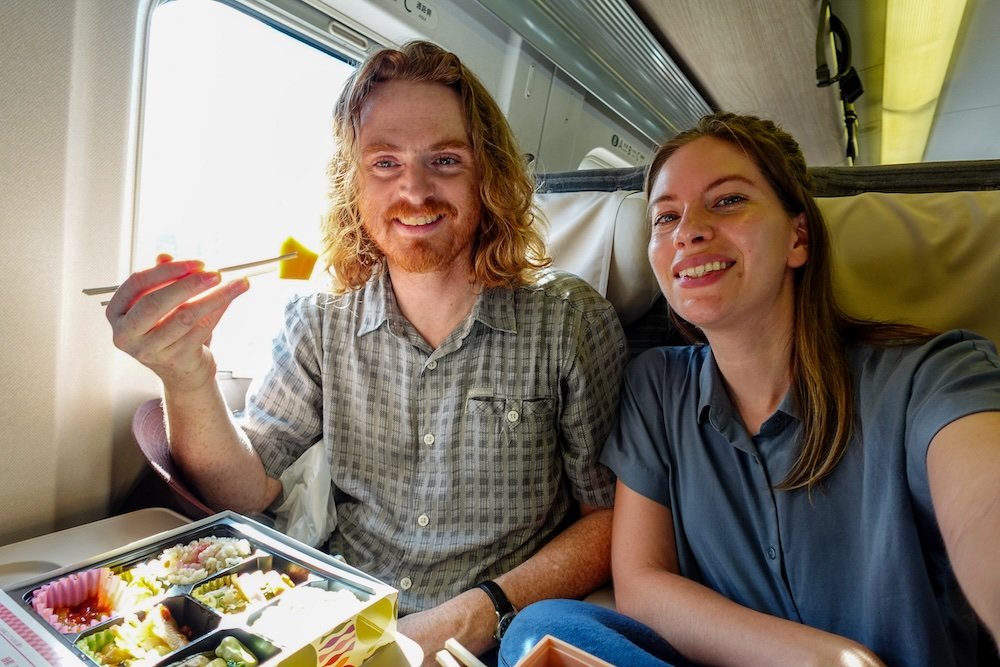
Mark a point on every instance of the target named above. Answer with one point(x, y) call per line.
point(492, 421)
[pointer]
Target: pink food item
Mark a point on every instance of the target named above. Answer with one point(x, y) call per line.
point(78, 601)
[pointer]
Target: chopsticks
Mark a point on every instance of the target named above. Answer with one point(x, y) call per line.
point(91, 291)
point(453, 649)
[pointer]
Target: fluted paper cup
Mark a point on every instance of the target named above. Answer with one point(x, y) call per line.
point(78, 601)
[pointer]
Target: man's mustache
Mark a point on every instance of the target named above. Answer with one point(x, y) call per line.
point(432, 208)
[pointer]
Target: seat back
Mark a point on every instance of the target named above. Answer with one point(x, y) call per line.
point(151, 435)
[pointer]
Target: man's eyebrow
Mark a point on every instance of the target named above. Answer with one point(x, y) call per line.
point(379, 147)
point(714, 184)
point(452, 145)
point(449, 144)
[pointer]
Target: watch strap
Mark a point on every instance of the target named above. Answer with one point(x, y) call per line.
point(505, 610)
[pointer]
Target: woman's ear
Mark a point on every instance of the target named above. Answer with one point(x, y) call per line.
point(798, 251)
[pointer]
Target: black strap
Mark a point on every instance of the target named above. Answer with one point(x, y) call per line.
point(497, 596)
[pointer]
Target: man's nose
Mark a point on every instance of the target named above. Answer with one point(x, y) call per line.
point(417, 184)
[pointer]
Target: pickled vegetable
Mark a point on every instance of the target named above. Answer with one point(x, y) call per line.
point(299, 267)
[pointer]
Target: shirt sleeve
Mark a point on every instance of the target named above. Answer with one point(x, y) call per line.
point(637, 449)
point(954, 375)
point(590, 403)
point(283, 415)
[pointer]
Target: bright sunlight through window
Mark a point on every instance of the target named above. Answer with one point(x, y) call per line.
point(235, 142)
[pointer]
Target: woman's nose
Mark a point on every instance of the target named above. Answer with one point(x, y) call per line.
point(694, 227)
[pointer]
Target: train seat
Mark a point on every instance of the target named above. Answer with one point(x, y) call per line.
point(150, 435)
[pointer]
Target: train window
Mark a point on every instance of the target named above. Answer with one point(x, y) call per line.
point(234, 146)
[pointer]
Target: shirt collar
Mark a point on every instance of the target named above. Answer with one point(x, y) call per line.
point(715, 406)
point(375, 296)
point(494, 307)
point(713, 401)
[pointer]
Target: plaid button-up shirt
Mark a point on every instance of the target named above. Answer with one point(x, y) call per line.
point(450, 465)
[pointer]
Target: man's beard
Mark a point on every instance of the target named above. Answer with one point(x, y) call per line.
point(423, 255)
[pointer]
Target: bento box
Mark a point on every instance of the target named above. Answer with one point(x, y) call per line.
point(226, 591)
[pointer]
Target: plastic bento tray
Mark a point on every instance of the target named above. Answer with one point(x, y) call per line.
point(166, 599)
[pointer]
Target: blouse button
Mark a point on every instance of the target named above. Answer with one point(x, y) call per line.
point(772, 553)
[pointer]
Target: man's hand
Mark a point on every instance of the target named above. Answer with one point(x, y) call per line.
point(157, 321)
point(469, 618)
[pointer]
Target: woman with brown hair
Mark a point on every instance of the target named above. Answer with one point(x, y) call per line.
point(797, 487)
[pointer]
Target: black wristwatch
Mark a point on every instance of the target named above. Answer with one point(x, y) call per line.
point(505, 610)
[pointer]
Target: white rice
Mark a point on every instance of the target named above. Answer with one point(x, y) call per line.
point(304, 614)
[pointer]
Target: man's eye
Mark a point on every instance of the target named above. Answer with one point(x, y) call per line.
point(383, 164)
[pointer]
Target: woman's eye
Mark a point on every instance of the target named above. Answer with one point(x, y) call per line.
point(730, 200)
point(446, 160)
point(664, 219)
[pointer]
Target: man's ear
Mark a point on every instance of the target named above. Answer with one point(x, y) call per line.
point(798, 251)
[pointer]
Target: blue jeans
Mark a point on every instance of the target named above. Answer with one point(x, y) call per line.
point(612, 637)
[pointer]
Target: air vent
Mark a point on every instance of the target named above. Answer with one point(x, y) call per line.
point(604, 46)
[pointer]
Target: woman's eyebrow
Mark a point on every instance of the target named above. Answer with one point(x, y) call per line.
point(730, 177)
point(669, 196)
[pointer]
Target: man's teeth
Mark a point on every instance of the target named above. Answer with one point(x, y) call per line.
point(419, 221)
point(702, 269)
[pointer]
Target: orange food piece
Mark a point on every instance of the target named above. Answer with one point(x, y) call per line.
point(85, 613)
point(299, 267)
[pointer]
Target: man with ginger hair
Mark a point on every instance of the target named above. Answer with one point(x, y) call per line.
point(461, 387)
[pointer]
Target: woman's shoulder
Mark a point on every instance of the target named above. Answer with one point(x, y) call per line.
point(670, 359)
point(929, 365)
point(952, 342)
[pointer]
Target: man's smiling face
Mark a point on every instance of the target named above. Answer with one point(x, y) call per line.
point(420, 199)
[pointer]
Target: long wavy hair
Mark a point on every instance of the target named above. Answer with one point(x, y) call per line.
point(508, 249)
point(822, 383)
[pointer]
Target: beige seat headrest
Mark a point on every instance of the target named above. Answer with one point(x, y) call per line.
point(602, 237)
point(928, 258)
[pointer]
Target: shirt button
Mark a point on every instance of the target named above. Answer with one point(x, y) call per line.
point(431, 365)
point(429, 439)
point(405, 583)
point(423, 520)
point(772, 553)
point(513, 416)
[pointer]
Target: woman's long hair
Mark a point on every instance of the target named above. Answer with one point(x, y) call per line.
point(509, 248)
point(822, 384)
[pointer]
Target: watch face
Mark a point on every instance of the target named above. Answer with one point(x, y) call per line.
point(503, 624)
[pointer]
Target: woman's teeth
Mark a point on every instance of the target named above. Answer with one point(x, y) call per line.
point(702, 269)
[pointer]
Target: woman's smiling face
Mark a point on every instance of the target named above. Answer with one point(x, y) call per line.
point(722, 246)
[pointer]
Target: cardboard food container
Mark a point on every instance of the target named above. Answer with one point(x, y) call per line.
point(224, 576)
point(553, 652)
